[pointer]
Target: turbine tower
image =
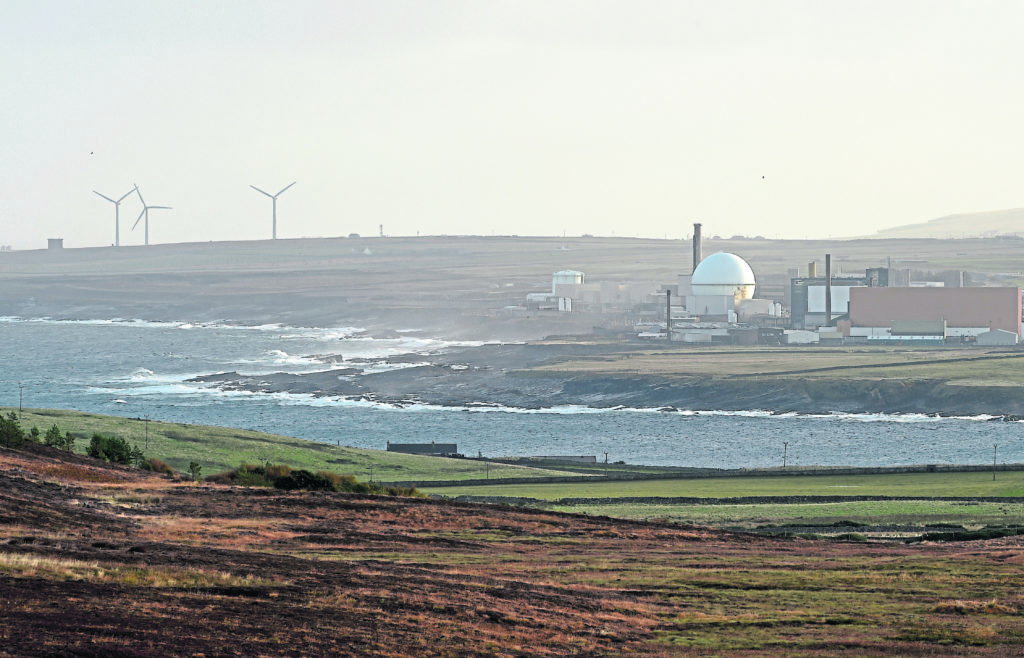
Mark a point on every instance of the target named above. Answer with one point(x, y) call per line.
point(273, 197)
point(117, 213)
point(145, 213)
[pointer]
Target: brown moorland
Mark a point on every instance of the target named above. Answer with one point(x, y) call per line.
point(98, 560)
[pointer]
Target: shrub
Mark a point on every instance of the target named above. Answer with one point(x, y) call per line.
point(110, 448)
point(246, 475)
point(10, 431)
point(252, 479)
point(157, 466)
point(226, 477)
point(305, 480)
point(53, 437)
point(33, 435)
point(274, 471)
point(283, 477)
point(409, 492)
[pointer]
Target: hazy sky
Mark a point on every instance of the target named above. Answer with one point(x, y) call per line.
point(781, 118)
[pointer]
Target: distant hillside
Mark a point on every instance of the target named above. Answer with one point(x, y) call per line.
point(967, 225)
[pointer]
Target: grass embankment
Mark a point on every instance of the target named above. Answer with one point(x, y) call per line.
point(219, 449)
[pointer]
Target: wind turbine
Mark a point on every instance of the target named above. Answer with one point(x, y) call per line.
point(117, 213)
point(274, 199)
point(145, 213)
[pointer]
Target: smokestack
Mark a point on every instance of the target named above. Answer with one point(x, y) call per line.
point(697, 256)
point(828, 290)
point(668, 314)
point(812, 269)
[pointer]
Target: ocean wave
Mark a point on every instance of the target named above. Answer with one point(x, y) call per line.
point(144, 382)
point(91, 322)
point(860, 417)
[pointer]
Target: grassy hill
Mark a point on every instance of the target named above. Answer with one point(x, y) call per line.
point(1009, 222)
point(223, 448)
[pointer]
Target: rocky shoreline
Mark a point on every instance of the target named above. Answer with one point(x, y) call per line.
point(503, 375)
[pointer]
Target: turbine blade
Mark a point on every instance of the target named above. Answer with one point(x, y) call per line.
point(106, 197)
point(261, 191)
point(139, 192)
point(140, 217)
point(160, 208)
point(126, 195)
point(286, 187)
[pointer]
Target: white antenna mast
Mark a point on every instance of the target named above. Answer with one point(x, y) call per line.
point(117, 213)
point(273, 197)
point(145, 213)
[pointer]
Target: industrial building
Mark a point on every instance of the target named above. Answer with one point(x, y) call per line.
point(715, 304)
point(962, 313)
point(431, 449)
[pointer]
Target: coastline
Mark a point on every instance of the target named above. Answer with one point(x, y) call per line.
point(513, 376)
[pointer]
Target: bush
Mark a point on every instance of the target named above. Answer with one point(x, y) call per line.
point(305, 480)
point(246, 475)
point(408, 492)
point(252, 479)
point(283, 477)
point(156, 466)
point(10, 431)
point(110, 448)
point(274, 471)
point(53, 437)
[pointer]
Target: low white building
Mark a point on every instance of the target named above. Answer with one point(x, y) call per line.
point(997, 337)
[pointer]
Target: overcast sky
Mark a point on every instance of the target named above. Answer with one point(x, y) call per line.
point(782, 118)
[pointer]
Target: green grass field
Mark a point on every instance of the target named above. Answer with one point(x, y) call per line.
point(974, 366)
point(903, 512)
point(219, 449)
point(1007, 483)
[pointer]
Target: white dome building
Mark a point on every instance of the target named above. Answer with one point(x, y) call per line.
point(724, 274)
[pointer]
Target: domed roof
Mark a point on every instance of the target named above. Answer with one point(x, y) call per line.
point(723, 269)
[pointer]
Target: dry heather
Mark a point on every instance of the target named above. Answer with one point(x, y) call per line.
point(106, 561)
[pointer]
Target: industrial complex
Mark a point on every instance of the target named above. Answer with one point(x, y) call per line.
point(719, 302)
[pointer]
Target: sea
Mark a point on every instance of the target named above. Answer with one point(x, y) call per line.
point(138, 369)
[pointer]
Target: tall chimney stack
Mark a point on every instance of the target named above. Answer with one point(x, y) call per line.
point(697, 256)
point(668, 314)
point(828, 290)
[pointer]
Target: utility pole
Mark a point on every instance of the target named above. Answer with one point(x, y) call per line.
point(147, 432)
point(995, 446)
point(21, 391)
point(371, 473)
point(785, 452)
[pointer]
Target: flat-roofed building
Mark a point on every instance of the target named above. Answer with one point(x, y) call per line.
point(965, 311)
point(431, 449)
